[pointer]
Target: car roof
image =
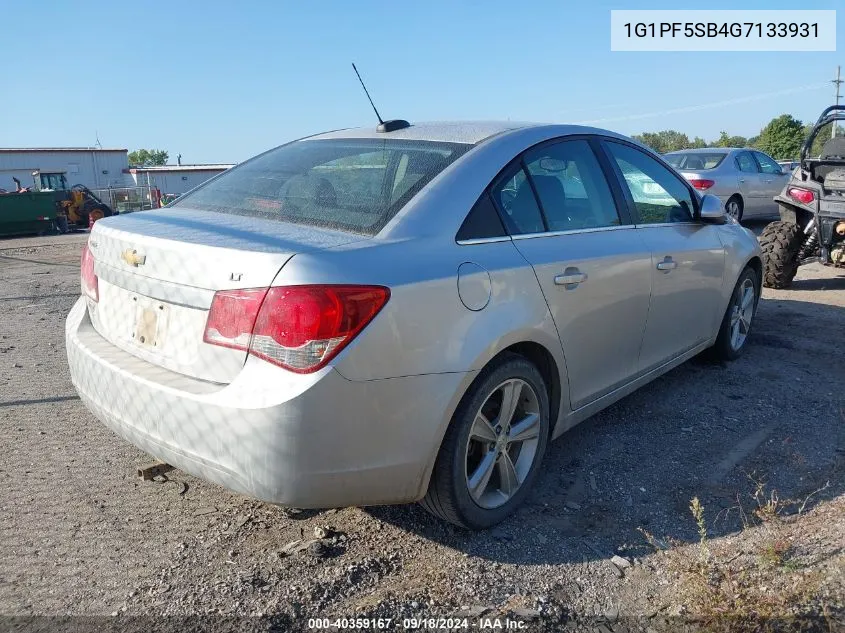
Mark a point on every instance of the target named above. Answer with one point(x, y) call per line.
point(467, 132)
point(706, 150)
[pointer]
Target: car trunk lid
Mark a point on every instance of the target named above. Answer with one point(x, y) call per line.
point(158, 272)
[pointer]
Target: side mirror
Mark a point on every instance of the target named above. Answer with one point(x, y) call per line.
point(711, 208)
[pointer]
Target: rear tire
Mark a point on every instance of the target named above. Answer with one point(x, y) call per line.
point(734, 207)
point(781, 244)
point(471, 443)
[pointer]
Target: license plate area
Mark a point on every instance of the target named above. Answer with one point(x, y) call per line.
point(150, 327)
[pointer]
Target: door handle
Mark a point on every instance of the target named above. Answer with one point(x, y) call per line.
point(570, 278)
point(742, 181)
point(667, 265)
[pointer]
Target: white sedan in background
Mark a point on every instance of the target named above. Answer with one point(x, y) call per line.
point(745, 180)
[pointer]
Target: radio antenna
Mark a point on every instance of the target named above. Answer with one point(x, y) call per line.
point(367, 92)
point(383, 126)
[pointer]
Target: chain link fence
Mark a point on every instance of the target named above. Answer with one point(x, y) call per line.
point(129, 199)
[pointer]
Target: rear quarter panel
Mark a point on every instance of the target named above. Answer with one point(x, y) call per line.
point(726, 178)
point(425, 328)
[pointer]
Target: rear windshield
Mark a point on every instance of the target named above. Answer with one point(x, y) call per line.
point(354, 185)
point(695, 160)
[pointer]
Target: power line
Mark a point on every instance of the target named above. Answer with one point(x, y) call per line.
point(704, 106)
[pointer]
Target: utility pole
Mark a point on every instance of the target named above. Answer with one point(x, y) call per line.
point(836, 82)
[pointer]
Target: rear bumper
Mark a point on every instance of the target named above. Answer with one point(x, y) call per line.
point(310, 441)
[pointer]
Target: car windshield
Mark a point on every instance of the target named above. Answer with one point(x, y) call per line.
point(354, 185)
point(695, 160)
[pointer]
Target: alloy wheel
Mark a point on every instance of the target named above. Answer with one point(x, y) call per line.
point(742, 312)
point(732, 208)
point(502, 443)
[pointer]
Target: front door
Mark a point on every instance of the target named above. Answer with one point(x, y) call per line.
point(592, 264)
point(688, 260)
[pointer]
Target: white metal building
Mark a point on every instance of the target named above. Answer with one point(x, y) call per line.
point(174, 179)
point(93, 167)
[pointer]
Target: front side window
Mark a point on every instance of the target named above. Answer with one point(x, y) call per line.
point(354, 185)
point(745, 163)
point(659, 195)
point(767, 165)
point(515, 197)
point(571, 186)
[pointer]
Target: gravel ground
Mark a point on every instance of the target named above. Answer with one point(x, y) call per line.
point(83, 536)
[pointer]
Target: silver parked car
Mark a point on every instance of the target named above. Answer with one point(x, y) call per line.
point(746, 180)
point(365, 317)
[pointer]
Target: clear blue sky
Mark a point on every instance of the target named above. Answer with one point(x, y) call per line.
point(221, 81)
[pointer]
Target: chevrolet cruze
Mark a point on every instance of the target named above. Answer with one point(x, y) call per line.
point(403, 313)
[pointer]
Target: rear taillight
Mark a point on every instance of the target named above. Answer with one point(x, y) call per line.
point(701, 183)
point(300, 328)
point(231, 317)
point(804, 196)
point(89, 279)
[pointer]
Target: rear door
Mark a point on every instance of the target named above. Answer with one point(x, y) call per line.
point(772, 181)
point(592, 265)
point(687, 263)
point(750, 183)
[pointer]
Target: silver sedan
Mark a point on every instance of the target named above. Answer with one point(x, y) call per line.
point(745, 180)
point(368, 317)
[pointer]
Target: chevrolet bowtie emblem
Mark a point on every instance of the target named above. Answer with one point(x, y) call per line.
point(131, 257)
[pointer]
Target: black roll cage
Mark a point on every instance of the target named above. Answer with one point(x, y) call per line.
point(829, 115)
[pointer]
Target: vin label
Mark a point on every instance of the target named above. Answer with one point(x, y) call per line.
point(729, 30)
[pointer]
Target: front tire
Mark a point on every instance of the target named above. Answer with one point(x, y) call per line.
point(736, 324)
point(781, 243)
point(493, 447)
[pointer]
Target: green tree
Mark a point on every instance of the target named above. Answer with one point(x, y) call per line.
point(664, 141)
point(782, 137)
point(650, 139)
point(673, 140)
point(148, 157)
point(726, 140)
point(698, 142)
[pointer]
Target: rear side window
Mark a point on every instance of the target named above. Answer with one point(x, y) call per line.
point(482, 221)
point(514, 195)
point(746, 163)
point(571, 186)
point(354, 185)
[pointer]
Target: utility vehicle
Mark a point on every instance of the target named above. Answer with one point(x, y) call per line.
point(812, 210)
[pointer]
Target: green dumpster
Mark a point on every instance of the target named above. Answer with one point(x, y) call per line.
point(27, 213)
